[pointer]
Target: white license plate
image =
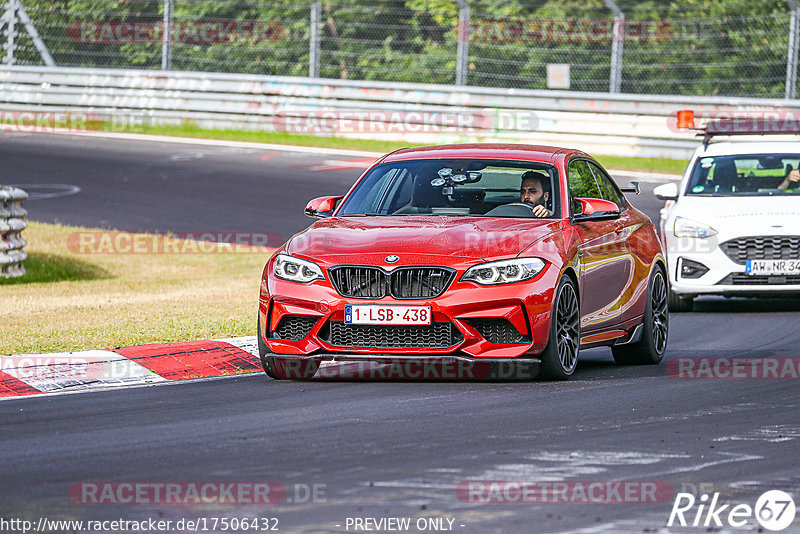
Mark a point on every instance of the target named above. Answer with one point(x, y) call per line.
point(772, 267)
point(376, 314)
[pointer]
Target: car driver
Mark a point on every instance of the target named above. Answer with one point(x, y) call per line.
point(535, 192)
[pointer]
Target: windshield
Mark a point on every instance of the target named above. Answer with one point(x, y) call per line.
point(453, 187)
point(746, 175)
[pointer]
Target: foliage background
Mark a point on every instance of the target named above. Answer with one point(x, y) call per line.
point(702, 47)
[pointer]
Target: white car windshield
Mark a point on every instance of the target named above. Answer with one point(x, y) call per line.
point(746, 175)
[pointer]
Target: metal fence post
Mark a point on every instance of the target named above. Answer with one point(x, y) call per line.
point(617, 42)
point(791, 59)
point(34, 34)
point(10, 18)
point(166, 38)
point(462, 55)
point(313, 39)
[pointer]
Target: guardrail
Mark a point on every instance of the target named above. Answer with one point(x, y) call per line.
point(600, 123)
point(12, 223)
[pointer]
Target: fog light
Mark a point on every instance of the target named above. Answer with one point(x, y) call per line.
point(692, 269)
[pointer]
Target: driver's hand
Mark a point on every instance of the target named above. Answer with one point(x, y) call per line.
point(793, 177)
point(541, 211)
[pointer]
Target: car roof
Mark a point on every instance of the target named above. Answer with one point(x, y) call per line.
point(728, 148)
point(510, 151)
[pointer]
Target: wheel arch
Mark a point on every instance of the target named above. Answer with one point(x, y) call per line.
point(570, 272)
point(661, 262)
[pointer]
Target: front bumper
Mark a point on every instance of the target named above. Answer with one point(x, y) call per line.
point(724, 276)
point(464, 306)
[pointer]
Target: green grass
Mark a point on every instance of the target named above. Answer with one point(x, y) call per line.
point(278, 138)
point(670, 166)
point(191, 130)
point(73, 300)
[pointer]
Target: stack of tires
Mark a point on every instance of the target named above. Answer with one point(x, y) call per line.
point(12, 223)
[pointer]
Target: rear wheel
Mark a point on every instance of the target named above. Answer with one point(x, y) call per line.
point(560, 356)
point(284, 368)
point(655, 328)
point(680, 303)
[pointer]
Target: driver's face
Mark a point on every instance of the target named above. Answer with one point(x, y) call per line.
point(531, 193)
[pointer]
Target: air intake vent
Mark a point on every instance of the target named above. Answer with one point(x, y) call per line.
point(778, 247)
point(742, 279)
point(293, 327)
point(436, 335)
point(499, 331)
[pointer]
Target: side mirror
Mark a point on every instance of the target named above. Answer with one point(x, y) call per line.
point(667, 191)
point(596, 209)
point(321, 207)
point(634, 188)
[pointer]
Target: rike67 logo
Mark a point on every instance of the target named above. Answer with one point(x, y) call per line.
point(774, 510)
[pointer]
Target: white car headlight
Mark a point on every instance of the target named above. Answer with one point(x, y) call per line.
point(504, 272)
point(296, 270)
point(688, 228)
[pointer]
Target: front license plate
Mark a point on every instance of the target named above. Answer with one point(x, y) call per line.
point(375, 314)
point(772, 267)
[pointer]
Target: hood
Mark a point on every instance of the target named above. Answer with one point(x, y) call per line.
point(762, 215)
point(419, 236)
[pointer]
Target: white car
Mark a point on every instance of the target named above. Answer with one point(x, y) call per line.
point(732, 226)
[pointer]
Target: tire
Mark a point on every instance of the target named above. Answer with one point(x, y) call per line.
point(284, 368)
point(680, 303)
point(649, 350)
point(560, 356)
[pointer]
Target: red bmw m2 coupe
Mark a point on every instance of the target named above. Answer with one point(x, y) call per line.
point(468, 253)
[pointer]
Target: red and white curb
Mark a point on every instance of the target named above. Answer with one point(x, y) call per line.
point(33, 374)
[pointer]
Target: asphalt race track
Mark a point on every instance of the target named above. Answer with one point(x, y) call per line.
point(157, 187)
point(383, 449)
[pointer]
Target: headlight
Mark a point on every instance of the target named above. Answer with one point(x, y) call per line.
point(688, 228)
point(296, 270)
point(504, 272)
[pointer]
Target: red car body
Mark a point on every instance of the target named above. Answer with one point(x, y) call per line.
point(610, 262)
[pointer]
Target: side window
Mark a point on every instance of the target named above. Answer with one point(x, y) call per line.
point(607, 188)
point(581, 183)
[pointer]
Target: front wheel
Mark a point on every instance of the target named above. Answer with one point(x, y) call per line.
point(284, 368)
point(560, 356)
point(655, 328)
